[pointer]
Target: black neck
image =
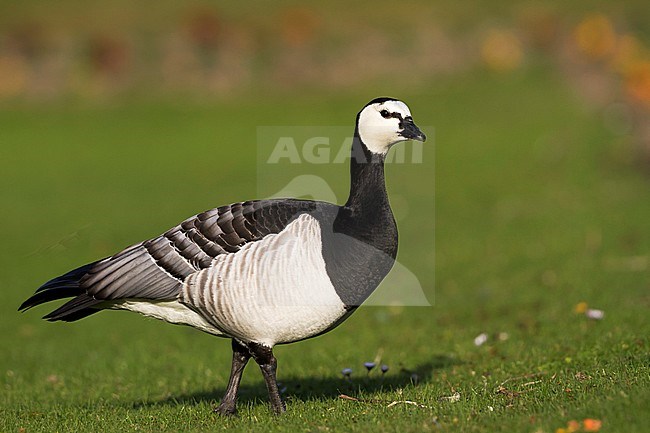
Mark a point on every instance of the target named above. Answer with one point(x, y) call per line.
point(367, 181)
point(362, 245)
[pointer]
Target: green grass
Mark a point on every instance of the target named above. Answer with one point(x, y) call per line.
point(535, 212)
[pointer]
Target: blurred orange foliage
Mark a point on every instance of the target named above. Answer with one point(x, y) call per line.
point(14, 72)
point(595, 36)
point(592, 425)
point(637, 81)
point(502, 50)
point(204, 28)
point(298, 25)
point(629, 50)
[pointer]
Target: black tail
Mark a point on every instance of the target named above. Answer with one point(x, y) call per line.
point(65, 286)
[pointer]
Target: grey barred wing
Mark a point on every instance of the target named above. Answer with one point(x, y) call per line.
point(156, 269)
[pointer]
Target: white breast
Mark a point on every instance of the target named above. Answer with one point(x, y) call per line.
point(272, 291)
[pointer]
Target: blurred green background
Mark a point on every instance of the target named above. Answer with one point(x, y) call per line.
point(531, 205)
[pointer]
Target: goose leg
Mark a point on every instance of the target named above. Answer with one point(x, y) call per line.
point(268, 364)
point(240, 357)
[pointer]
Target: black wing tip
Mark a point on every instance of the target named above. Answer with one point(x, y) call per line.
point(75, 309)
point(53, 316)
point(69, 279)
point(64, 286)
point(28, 304)
point(25, 306)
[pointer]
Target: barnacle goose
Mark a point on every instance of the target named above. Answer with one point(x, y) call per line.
point(261, 272)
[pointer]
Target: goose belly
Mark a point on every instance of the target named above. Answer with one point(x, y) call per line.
point(276, 290)
point(168, 311)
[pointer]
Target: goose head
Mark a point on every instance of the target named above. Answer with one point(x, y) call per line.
point(384, 122)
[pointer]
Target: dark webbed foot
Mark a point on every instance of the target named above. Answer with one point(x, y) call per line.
point(226, 409)
point(268, 364)
point(240, 357)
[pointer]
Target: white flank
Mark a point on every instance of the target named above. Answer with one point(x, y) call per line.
point(169, 311)
point(272, 291)
point(377, 133)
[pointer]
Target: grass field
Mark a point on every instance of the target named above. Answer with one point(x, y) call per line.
point(536, 209)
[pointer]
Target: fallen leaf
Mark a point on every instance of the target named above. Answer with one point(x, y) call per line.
point(580, 308)
point(573, 426)
point(591, 425)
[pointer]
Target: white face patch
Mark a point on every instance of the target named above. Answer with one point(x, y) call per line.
point(379, 133)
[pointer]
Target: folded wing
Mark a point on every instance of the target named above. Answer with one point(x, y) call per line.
point(156, 269)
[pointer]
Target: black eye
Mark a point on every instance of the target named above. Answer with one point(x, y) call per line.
point(385, 114)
